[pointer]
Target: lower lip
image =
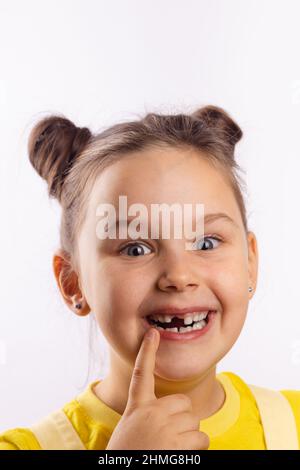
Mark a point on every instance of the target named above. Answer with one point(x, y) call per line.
point(189, 334)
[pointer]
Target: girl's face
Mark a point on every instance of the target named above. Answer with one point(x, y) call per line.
point(121, 289)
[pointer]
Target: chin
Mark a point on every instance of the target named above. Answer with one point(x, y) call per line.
point(180, 373)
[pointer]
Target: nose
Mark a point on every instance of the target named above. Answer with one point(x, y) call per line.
point(178, 275)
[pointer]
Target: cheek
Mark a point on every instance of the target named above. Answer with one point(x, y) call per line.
point(118, 300)
point(230, 285)
point(120, 291)
point(231, 276)
point(127, 296)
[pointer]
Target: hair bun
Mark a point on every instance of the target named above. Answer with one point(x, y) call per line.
point(216, 117)
point(53, 145)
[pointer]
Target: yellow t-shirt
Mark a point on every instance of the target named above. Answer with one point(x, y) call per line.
point(236, 425)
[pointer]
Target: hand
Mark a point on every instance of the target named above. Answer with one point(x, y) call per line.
point(148, 422)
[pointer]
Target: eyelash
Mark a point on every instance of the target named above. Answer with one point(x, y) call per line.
point(215, 237)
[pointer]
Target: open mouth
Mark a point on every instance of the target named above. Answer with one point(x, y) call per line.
point(190, 322)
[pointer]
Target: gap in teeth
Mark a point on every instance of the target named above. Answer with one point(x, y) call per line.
point(193, 322)
point(188, 319)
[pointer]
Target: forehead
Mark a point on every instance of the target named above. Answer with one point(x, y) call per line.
point(167, 176)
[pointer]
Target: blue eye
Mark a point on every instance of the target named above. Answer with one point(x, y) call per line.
point(211, 244)
point(134, 247)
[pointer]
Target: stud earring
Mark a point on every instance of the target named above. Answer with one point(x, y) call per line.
point(78, 306)
point(250, 289)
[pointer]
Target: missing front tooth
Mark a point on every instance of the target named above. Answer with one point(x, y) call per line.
point(175, 323)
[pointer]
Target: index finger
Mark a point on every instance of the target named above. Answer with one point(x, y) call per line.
point(142, 384)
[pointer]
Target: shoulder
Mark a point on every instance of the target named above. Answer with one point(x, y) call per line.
point(93, 434)
point(18, 439)
point(93, 431)
point(293, 397)
point(24, 438)
point(245, 389)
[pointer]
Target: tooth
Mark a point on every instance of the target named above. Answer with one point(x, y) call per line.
point(174, 330)
point(202, 315)
point(185, 329)
point(167, 318)
point(161, 318)
point(188, 319)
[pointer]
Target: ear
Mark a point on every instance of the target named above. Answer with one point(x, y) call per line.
point(69, 283)
point(252, 261)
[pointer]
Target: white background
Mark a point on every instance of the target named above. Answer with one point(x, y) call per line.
point(99, 62)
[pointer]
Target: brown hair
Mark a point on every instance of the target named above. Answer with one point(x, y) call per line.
point(70, 158)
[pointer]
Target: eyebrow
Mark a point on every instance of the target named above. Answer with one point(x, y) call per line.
point(209, 218)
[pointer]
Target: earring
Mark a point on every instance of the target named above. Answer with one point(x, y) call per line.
point(78, 306)
point(250, 289)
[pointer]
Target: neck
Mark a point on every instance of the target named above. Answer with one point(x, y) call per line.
point(205, 391)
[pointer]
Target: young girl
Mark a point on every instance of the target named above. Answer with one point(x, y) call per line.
point(161, 392)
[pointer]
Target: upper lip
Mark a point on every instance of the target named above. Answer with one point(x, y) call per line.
point(180, 312)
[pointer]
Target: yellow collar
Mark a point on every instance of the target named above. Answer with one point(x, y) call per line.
point(227, 415)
